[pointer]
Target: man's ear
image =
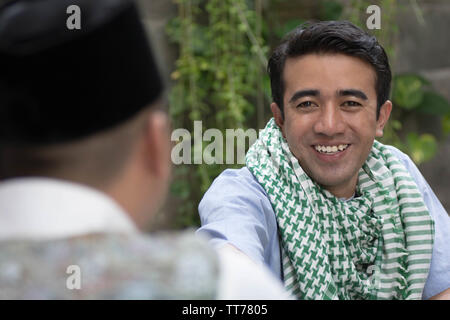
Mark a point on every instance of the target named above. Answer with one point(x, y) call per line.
point(385, 112)
point(276, 111)
point(157, 140)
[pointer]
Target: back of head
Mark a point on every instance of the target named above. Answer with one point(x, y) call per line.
point(61, 86)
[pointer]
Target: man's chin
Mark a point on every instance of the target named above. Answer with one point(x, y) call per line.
point(334, 182)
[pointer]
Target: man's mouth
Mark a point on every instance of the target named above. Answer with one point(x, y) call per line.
point(333, 149)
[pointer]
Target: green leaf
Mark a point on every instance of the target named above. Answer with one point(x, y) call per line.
point(408, 91)
point(434, 103)
point(267, 87)
point(421, 148)
point(395, 124)
point(331, 10)
point(288, 27)
point(446, 124)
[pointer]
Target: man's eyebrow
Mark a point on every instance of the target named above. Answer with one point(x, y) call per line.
point(304, 93)
point(352, 92)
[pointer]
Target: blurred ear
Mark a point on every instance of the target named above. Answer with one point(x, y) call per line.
point(385, 113)
point(157, 140)
point(277, 116)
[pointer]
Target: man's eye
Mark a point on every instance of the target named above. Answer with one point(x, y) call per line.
point(351, 104)
point(305, 104)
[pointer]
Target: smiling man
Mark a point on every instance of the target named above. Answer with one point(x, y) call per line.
point(329, 119)
point(332, 212)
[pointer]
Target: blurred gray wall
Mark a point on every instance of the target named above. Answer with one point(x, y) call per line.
point(424, 47)
point(156, 14)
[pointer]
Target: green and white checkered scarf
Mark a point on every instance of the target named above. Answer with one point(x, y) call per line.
point(376, 246)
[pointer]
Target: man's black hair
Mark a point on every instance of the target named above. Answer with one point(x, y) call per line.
point(340, 37)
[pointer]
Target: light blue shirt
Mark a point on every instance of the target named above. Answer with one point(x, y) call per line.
point(236, 210)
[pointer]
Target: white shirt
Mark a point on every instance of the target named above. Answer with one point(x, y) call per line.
point(45, 209)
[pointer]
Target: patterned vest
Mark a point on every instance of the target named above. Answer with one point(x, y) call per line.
point(109, 266)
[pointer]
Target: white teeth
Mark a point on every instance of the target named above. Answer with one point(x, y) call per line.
point(331, 149)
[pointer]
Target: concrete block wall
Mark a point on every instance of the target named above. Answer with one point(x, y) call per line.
point(425, 48)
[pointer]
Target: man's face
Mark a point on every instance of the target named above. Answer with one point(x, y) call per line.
point(330, 117)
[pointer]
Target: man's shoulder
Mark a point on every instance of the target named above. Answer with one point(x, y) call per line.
point(110, 266)
point(409, 165)
point(242, 174)
point(236, 181)
point(233, 187)
point(399, 154)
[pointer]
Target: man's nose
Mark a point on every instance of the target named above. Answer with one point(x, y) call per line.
point(330, 121)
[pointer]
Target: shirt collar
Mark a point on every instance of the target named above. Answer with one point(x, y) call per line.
point(348, 199)
point(43, 209)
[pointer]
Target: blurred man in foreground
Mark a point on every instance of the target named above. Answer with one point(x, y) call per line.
point(85, 162)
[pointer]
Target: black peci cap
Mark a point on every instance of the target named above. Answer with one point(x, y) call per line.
point(59, 84)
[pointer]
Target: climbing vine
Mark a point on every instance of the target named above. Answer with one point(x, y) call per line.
point(218, 80)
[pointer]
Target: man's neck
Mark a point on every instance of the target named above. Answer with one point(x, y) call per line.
point(345, 190)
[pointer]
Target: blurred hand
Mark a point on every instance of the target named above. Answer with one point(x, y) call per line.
point(444, 295)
